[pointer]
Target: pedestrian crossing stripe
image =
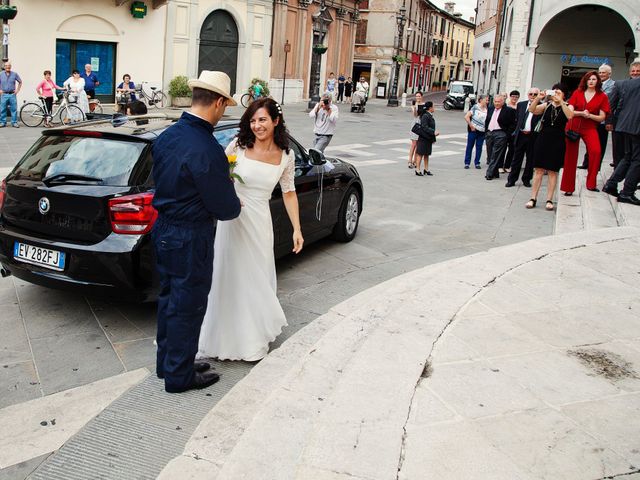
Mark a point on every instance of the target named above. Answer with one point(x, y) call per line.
point(393, 142)
point(364, 163)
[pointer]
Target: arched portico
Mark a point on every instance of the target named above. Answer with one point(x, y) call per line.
point(575, 39)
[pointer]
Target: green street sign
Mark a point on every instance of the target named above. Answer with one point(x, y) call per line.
point(138, 9)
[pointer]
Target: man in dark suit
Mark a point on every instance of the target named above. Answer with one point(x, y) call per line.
point(625, 101)
point(193, 192)
point(524, 139)
point(500, 125)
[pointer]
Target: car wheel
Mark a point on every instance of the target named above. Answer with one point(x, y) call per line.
point(446, 105)
point(348, 217)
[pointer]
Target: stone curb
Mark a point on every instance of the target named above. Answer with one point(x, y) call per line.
point(319, 406)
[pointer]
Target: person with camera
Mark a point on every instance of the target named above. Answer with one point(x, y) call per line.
point(426, 138)
point(523, 141)
point(552, 113)
point(325, 115)
point(417, 109)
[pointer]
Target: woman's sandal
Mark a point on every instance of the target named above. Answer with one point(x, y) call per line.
point(531, 203)
point(549, 205)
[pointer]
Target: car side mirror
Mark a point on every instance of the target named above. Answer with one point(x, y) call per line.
point(316, 157)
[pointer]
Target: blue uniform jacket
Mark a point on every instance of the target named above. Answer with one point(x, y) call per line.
point(191, 174)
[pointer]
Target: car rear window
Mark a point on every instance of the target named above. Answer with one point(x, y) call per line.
point(108, 159)
point(225, 136)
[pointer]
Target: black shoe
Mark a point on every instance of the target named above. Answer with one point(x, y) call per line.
point(197, 366)
point(201, 366)
point(428, 173)
point(509, 184)
point(478, 167)
point(583, 167)
point(200, 381)
point(466, 167)
point(527, 184)
point(568, 194)
point(632, 199)
point(488, 177)
point(612, 164)
point(593, 189)
point(613, 191)
point(418, 173)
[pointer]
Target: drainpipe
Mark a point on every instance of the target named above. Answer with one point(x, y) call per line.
point(530, 20)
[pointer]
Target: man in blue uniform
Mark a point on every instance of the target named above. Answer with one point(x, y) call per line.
point(193, 191)
point(90, 81)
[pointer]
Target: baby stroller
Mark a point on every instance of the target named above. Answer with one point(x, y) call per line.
point(358, 101)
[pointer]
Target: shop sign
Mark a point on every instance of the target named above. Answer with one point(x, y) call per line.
point(138, 10)
point(574, 59)
point(95, 64)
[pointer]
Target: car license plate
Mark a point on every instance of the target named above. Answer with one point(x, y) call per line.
point(44, 257)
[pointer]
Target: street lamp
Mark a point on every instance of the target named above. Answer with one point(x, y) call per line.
point(401, 19)
point(321, 21)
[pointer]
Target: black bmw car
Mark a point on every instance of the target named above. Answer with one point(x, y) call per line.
point(76, 214)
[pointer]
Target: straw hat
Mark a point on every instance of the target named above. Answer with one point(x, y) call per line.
point(218, 82)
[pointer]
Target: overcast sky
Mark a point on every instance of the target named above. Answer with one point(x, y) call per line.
point(465, 7)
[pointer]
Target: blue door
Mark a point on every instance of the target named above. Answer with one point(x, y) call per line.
point(73, 54)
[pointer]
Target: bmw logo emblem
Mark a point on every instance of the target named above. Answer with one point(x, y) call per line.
point(44, 205)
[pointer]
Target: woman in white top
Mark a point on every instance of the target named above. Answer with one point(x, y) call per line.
point(416, 111)
point(243, 313)
point(475, 119)
point(75, 84)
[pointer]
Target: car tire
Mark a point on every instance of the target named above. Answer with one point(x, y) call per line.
point(446, 105)
point(348, 217)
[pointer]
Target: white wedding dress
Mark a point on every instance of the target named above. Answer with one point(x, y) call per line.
point(243, 314)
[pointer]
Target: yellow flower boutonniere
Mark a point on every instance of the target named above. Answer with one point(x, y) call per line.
point(233, 161)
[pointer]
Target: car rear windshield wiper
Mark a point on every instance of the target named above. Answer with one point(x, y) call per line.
point(69, 177)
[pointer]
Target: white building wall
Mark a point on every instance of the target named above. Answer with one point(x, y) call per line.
point(540, 63)
point(32, 41)
point(481, 54)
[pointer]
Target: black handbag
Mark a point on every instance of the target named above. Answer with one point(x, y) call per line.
point(418, 130)
point(572, 135)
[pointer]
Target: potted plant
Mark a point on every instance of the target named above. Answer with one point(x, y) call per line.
point(265, 86)
point(180, 91)
point(319, 48)
point(399, 58)
point(8, 12)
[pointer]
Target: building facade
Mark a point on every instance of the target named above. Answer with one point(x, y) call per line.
point(486, 35)
point(544, 41)
point(435, 46)
point(298, 26)
point(62, 35)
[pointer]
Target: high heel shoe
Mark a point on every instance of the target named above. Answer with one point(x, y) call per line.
point(418, 173)
point(427, 172)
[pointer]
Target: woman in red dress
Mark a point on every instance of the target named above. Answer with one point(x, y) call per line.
point(591, 106)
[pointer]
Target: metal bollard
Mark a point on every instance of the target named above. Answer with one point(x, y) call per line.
point(404, 100)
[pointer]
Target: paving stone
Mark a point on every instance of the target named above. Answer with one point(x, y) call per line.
point(545, 375)
point(478, 389)
point(14, 343)
point(22, 470)
point(455, 451)
point(136, 353)
point(19, 383)
point(549, 445)
point(7, 292)
point(62, 360)
point(117, 328)
point(428, 409)
point(451, 349)
point(494, 336)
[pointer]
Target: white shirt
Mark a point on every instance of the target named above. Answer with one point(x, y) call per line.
point(527, 124)
point(362, 87)
point(325, 122)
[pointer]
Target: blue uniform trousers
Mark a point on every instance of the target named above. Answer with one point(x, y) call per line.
point(184, 255)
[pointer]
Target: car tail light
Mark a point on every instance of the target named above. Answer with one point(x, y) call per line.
point(132, 214)
point(3, 193)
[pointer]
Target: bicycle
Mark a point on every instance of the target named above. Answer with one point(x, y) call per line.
point(157, 98)
point(95, 106)
point(33, 114)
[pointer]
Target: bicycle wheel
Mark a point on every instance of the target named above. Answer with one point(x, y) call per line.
point(158, 99)
point(97, 107)
point(32, 114)
point(70, 114)
point(246, 99)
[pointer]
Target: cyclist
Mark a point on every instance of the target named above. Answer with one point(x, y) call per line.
point(46, 90)
point(257, 90)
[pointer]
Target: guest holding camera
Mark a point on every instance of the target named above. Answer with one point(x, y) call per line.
point(325, 115)
point(549, 146)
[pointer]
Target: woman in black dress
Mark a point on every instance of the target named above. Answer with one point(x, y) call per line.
point(348, 88)
point(425, 144)
point(549, 147)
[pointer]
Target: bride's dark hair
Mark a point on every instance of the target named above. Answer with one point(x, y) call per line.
point(246, 138)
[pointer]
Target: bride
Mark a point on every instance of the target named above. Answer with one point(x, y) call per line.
point(243, 313)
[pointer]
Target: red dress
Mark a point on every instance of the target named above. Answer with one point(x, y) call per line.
point(588, 130)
